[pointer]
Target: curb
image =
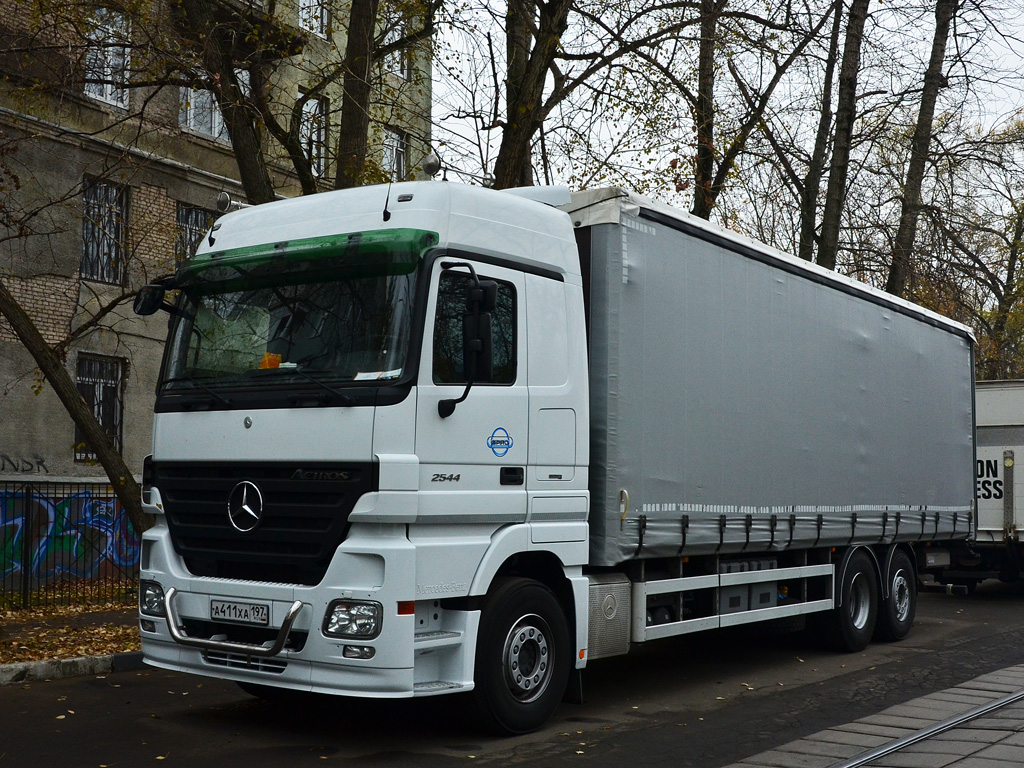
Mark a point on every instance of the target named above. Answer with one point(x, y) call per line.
point(58, 669)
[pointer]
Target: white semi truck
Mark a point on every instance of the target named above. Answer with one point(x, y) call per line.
point(425, 438)
point(995, 551)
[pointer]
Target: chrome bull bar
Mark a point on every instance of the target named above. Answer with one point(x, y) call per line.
point(248, 649)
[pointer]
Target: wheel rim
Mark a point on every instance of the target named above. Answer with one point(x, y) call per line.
point(860, 601)
point(901, 596)
point(526, 658)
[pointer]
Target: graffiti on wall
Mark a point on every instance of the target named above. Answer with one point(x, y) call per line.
point(50, 537)
point(25, 465)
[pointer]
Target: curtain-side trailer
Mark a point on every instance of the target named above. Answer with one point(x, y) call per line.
point(427, 438)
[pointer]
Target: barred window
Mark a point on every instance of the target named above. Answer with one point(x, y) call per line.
point(104, 232)
point(101, 384)
point(395, 150)
point(313, 131)
point(193, 222)
point(106, 58)
point(314, 16)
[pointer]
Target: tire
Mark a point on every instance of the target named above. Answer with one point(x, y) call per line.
point(852, 623)
point(522, 657)
point(896, 616)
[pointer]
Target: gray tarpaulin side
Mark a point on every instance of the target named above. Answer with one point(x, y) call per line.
point(743, 403)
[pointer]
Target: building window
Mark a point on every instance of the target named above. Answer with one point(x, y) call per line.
point(395, 150)
point(313, 132)
point(314, 16)
point(104, 232)
point(449, 348)
point(101, 384)
point(398, 62)
point(193, 223)
point(106, 58)
point(200, 112)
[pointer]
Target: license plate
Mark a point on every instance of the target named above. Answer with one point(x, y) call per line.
point(239, 612)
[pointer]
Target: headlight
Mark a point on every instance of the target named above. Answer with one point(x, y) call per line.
point(151, 598)
point(352, 618)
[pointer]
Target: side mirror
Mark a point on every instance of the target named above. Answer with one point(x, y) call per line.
point(149, 299)
point(477, 347)
point(482, 297)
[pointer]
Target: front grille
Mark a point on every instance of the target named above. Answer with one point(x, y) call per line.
point(253, 663)
point(304, 517)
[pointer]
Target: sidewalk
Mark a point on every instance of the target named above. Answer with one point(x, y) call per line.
point(91, 634)
point(995, 740)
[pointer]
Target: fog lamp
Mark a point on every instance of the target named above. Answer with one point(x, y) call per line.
point(151, 598)
point(353, 618)
point(358, 652)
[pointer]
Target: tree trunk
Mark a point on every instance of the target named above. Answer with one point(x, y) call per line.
point(197, 22)
point(846, 113)
point(704, 111)
point(911, 210)
point(995, 363)
point(815, 171)
point(527, 74)
point(354, 122)
point(121, 478)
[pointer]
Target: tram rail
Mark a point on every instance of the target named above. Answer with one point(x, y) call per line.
point(951, 723)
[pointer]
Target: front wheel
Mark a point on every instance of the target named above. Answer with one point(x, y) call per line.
point(522, 657)
point(897, 614)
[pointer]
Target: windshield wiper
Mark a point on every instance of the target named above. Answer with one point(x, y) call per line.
point(345, 399)
point(198, 384)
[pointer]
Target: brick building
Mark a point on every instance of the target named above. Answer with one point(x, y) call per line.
point(104, 187)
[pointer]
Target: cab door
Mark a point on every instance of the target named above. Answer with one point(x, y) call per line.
point(473, 462)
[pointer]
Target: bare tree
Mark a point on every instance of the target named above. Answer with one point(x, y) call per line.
point(919, 148)
point(843, 134)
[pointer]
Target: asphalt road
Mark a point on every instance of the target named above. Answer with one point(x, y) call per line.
point(703, 701)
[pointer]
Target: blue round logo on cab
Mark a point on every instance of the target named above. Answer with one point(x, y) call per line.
point(499, 442)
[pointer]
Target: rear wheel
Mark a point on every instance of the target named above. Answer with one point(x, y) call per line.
point(522, 657)
point(896, 616)
point(852, 624)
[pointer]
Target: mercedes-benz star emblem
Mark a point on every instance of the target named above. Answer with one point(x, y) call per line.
point(245, 506)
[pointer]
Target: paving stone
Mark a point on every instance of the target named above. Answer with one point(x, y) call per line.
point(959, 747)
point(915, 760)
point(1006, 752)
point(927, 710)
point(971, 734)
point(913, 723)
point(831, 749)
point(851, 738)
point(889, 732)
point(1014, 739)
point(778, 759)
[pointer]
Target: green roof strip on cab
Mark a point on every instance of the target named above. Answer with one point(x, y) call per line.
point(412, 241)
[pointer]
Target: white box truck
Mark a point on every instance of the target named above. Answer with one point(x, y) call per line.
point(425, 438)
point(995, 550)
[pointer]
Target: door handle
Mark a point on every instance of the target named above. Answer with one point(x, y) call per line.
point(513, 475)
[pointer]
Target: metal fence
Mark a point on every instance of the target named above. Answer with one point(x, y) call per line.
point(65, 544)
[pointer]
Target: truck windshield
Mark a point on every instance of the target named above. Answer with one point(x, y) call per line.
point(337, 309)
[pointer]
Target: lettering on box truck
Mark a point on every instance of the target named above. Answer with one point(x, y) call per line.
point(989, 483)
